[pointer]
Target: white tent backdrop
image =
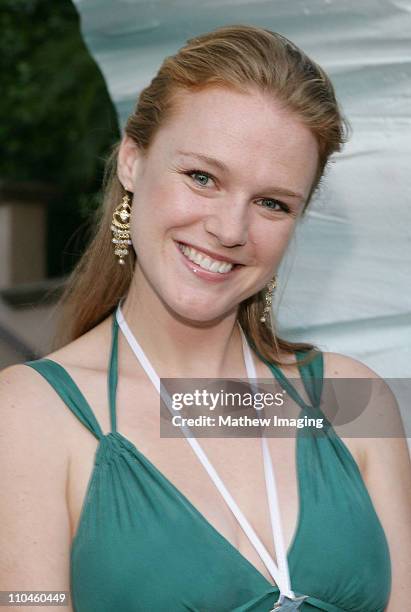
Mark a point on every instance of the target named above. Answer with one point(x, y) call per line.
point(346, 281)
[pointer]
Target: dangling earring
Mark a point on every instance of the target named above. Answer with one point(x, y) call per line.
point(271, 285)
point(120, 227)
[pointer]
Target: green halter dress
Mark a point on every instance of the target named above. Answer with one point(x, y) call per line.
point(141, 546)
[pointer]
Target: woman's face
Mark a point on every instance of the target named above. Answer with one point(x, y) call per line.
point(227, 175)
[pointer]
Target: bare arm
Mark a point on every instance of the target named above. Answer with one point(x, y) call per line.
point(34, 520)
point(387, 476)
point(388, 479)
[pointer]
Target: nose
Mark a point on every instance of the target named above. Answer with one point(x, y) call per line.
point(229, 224)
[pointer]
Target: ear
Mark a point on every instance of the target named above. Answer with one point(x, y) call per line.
point(127, 162)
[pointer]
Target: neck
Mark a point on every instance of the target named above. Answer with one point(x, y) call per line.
point(181, 348)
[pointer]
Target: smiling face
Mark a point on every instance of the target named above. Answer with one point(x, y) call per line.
point(227, 175)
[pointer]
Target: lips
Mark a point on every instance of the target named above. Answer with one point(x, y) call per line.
point(212, 254)
point(207, 275)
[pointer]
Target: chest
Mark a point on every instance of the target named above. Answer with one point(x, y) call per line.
point(238, 463)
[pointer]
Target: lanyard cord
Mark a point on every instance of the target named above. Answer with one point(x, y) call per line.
point(280, 574)
point(272, 492)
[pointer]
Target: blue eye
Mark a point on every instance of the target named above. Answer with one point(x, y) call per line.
point(200, 173)
point(282, 206)
point(201, 178)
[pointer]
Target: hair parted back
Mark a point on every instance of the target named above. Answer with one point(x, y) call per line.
point(241, 57)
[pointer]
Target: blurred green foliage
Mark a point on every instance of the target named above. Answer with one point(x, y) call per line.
point(57, 121)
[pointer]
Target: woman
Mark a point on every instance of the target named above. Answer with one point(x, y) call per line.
point(218, 162)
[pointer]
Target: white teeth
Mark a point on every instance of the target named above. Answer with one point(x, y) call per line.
point(213, 265)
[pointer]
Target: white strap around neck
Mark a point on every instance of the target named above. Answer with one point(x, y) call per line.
point(280, 574)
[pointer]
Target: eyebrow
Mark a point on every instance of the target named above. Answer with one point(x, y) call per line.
point(224, 168)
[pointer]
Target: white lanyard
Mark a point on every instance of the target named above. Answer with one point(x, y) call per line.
point(280, 574)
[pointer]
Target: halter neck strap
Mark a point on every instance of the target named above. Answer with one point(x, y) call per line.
point(113, 373)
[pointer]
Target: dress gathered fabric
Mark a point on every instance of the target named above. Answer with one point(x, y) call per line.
point(141, 546)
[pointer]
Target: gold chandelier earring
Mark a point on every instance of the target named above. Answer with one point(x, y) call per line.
point(268, 297)
point(120, 226)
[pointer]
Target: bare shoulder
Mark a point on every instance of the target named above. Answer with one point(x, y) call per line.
point(382, 413)
point(28, 402)
point(28, 414)
point(382, 400)
point(337, 365)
